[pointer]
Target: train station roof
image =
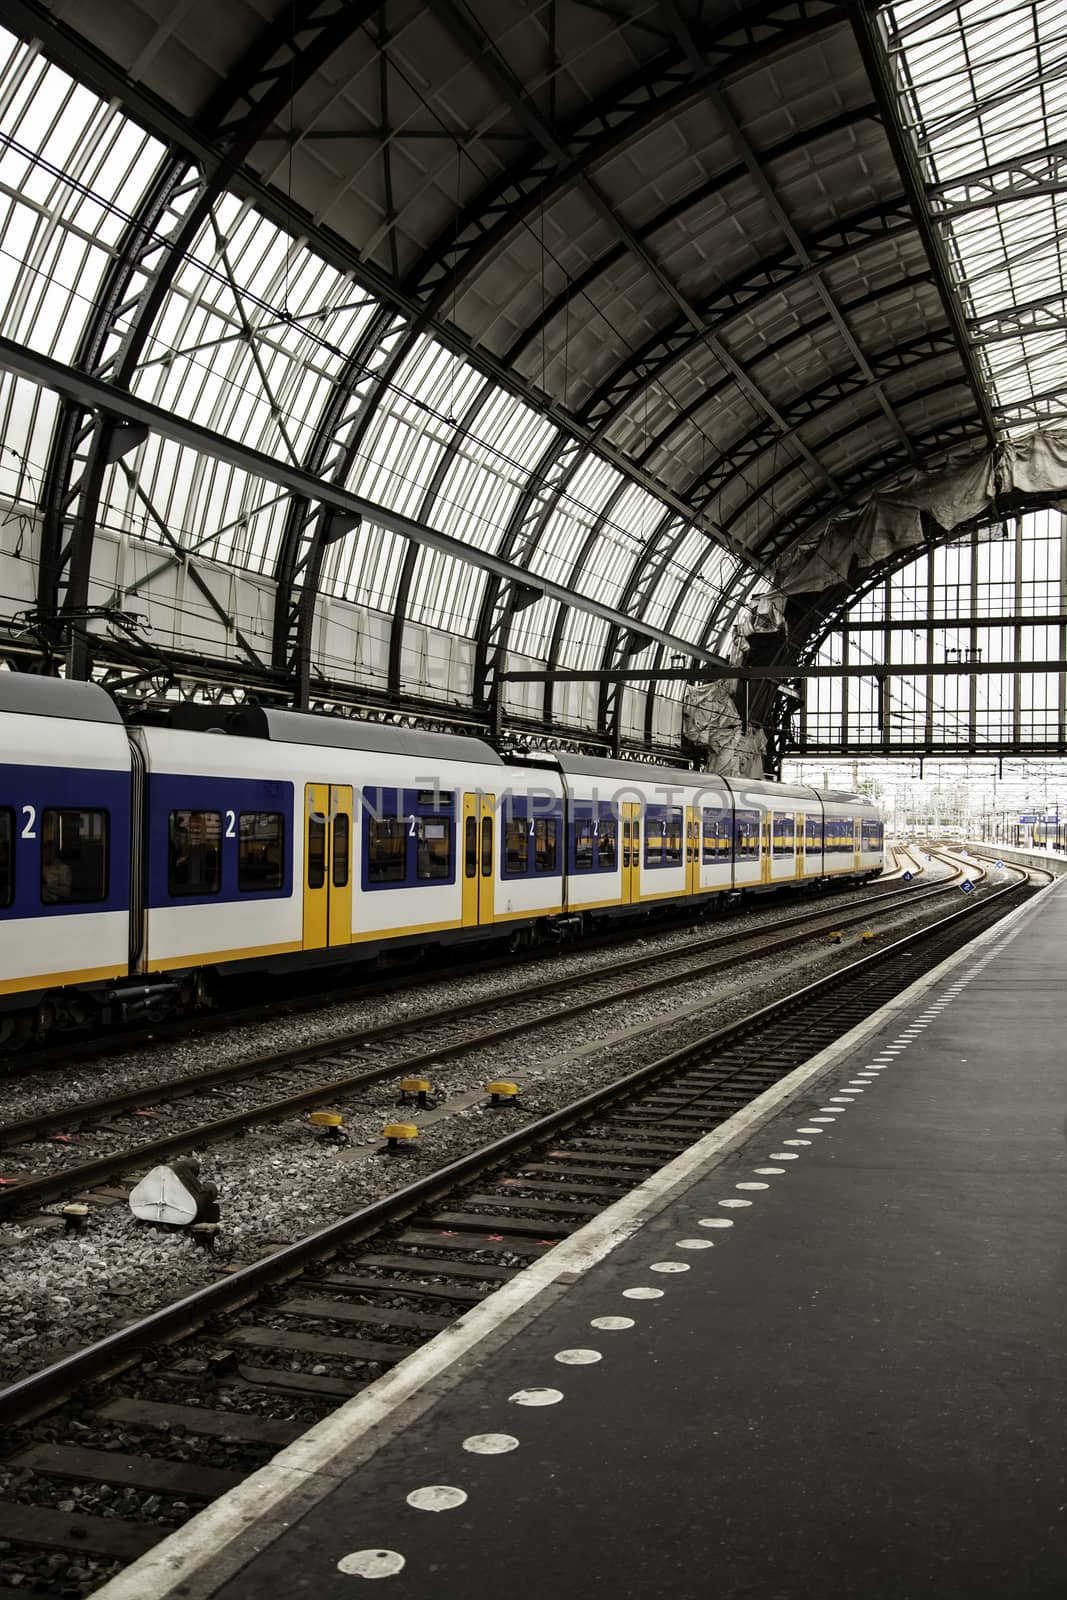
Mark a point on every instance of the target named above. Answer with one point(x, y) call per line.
point(587, 314)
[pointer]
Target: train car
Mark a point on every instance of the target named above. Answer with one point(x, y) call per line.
point(65, 851)
point(279, 839)
point(137, 863)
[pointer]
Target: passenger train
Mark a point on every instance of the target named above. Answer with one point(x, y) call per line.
point(141, 862)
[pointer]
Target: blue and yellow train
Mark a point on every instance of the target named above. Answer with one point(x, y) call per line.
point(140, 861)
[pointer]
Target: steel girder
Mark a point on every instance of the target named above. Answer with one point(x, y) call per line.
point(864, 27)
point(870, 475)
point(807, 407)
point(180, 200)
point(665, 538)
point(741, 295)
point(803, 330)
point(389, 339)
point(867, 477)
point(579, 286)
point(127, 409)
point(839, 242)
point(411, 554)
point(855, 423)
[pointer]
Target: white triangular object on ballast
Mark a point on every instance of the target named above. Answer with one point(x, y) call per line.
point(163, 1197)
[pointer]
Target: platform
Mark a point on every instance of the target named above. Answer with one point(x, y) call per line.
point(856, 1387)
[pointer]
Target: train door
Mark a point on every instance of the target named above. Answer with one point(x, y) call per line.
point(766, 848)
point(800, 834)
point(631, 851)
point(327, 865)
point(479, 830)
point(692, 850)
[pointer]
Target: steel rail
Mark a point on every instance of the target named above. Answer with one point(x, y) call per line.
point(42, 1390)
point(59, 1184)
point(297, 1055)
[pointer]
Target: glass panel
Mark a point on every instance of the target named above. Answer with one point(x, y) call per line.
point(342, 829)
point(470, 847)
point(583, 844)
point(433, 848)
point(672, 852)
point(746, 836)
point(386, 849)
point(654, 833)
point(7, 856)
point(546, 844)
point(487, 847)
point(260, 851)
point(194, 859)
point(316, 852)
point(73, 857)
point(516, 848)
point(608, 844)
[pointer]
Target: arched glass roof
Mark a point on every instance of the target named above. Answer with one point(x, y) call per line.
point(580, 316)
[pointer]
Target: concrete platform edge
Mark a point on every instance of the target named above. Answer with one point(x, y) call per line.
point(195, 1561)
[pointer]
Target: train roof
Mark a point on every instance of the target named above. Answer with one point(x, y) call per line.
point(35, 696)
point(340, 733)
point(772, 790)
point(332, 733)
point(629, 771)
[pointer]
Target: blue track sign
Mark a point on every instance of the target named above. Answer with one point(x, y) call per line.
point(907, 877)
point(1028, 819)
point(1000, 866)
point(967, 887)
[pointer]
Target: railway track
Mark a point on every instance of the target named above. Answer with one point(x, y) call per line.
point(435, 1036)
point(82, 1046)
point(95, 1476)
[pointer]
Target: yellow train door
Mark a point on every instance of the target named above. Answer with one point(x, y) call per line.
point(486, 858)
point(631, 852)
point(692, 850)
point(479, 838)
point(800, 838)
point(327, 865)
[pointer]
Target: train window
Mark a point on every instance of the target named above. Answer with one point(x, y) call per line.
point(716, 837)
point(7, 856)
point(487, 847)
point(342, 839)
point(607, 843)
point(516, 846)
point(433, 848)
point(813, 832)
point(470, 847)
point(655, 829)
point(260, 851)
point(386, 849)
point(783, 832)
point(746, 836)
point(672, 849)
point(546, 844)
point(194, 853)
point(73, 857)
point(316, 852)
point(583, 844)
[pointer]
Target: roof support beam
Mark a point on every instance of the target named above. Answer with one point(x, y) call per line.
point(865, 26)
point(758, 176)
point(783, 672)
point(116, 406)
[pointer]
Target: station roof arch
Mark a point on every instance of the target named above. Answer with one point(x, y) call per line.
point(590, 316)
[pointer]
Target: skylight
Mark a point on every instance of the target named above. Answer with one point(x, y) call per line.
point(983, 97)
